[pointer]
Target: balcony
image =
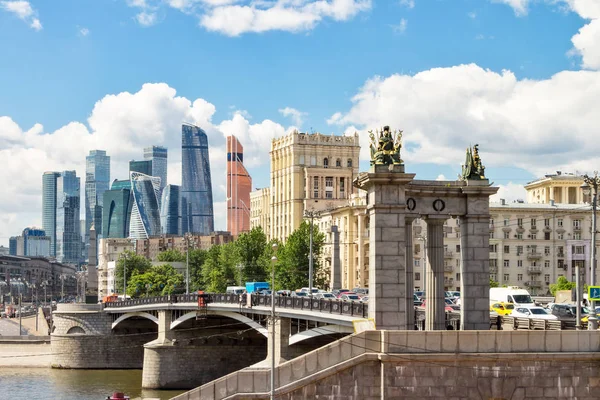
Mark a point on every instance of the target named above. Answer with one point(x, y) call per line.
point(561, 255)
point(533, 284)
point(533, 255)
point(534, 269)
point(493, 269)
point(448, 254)
point(448, 268)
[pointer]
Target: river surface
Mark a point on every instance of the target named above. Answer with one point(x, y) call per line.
point(62, 384)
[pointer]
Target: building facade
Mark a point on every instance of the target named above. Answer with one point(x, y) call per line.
point(239, 186)
point(145, 212)
point(116, 212)
point(260, 209)
point(97, 181)
point(68, 228)
point(35, 243)
point(49, 206)
point(158, 156)
point(151, 247)
point(143, 167)
point(196, 190)
point(309, 172)
point(170, 210)
point(109, 250)
point(564, 188)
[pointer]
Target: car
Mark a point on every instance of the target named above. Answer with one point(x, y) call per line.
point(502, 308)
point(420, 294)
point(416, 300)
point(341, 294)
point(364, 299)
point(326, 296)
point(338, 292)
point(534, 312)
point(361, 291)
point(350, 297)
point(447, 308)
point(299, 294)
point(568, 311)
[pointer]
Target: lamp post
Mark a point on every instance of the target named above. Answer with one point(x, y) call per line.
point(125, 257)
point(188, 237)
point(310, 214)
point(62, 287)
point(590, 186)
point(273, 262)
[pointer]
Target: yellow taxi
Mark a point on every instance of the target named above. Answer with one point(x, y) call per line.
point(502, 308)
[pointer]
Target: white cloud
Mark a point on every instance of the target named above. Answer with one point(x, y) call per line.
point(146, 18)
point(510, 192)
point(24, 11)
point(441, 177)
point(534, 125)
point(295, 115)
point(472, 15)
point(520, 7)
point(401, 27)
point(84, 31)
point(586, 42)
point(408, 3)
point(122, 124)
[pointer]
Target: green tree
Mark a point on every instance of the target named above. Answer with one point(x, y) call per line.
point(133, 265)
point(292, 267)
point(493, 283)
point(254, 256)
point(171, 255)
point(159, 280)
point(561, 284)
point(197, 259)
point(219, 268)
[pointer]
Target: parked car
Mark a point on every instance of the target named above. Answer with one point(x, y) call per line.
point(361, 291)
point(502, 308)
point(447, 308)
point(338, 292)
point(327, 296)
point(350, 297)
point(364, 299)
point(341, 294)
point(532, 312)
point(420, 294)
point(568, 311)
point(417, 301)
point(299, 294)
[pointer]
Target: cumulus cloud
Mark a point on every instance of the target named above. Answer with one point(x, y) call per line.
point(401, 27)
point(24, 11)
point(510, 192)
point(122, 124)
point(84, 31)
point(519, 6)
point(586, 42)
point(296, 116)
point(408, 3)
point(534, 125)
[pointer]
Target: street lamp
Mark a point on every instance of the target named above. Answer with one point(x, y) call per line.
point(62, 287)
point(311, 214)
point(125, 257)
point(590, 186)
point(188, 237)
point(273, 262)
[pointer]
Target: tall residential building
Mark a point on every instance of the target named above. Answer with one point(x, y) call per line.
point(158, 156)
point(170, 210)
point(260, 209)
point(49, 180)
point(143, 167)
point(145, 213)
point(35, 243)
point(116, 215)
point(196, 189)
point(68, 235)
point(239, 186)
point(13, 245)
point(97, 181)
point(309, 172)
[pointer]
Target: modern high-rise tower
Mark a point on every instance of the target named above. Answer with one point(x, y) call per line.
point(239, 186)
point(145, 213)
point(143, 167)
point(97, 181)
point(158, 156)
point(196, 194)
point(49, 207)
point(170, 210)
point(68, 228)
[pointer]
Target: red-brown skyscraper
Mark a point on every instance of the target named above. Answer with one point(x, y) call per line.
point(239, 186)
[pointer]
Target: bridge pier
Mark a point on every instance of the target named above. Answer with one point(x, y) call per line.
point(283, 328)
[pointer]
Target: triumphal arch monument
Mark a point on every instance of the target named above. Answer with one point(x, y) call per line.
point(395, 200)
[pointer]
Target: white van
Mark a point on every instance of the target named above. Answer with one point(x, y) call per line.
point(235, 289)
point(511, 294)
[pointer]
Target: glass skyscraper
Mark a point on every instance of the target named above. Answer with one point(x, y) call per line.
point(116, 212)
point(158, 156)
point(170, 210)
point(143, 167)
point(68, 235)
point(97, 179)
point(49, 181)
point(145, 213)
point(239, 186)
point(196, 189)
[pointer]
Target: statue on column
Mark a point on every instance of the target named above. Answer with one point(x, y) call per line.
point(473, 168)
point(385, 147)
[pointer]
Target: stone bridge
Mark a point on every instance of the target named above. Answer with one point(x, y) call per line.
point(181, 345)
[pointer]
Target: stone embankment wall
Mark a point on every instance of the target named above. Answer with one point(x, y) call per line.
point(25, 351)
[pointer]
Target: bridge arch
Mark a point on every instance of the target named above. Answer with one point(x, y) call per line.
point(320, 331)
point(229, 314)
point(75, 330)
point(134, 314)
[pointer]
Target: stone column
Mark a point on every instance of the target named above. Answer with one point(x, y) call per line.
point(336, 269)
point(361, 248)
point(165, 334)
point(283, 328)
point(435, 314)
point(409, 273)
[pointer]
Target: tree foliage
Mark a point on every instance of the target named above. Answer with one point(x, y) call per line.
point(219, 268)
point(561, 284)
point(253, 256)
point(132, 264)
point(292, 268)
point(494, 283)
point(197, 257)
point(171, 255)
point(159, 280)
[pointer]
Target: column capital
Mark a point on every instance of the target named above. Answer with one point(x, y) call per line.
point(435, 219)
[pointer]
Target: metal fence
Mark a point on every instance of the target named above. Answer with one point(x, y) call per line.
point(338, 307)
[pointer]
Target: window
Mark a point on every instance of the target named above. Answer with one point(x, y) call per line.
point(559, 222)
point(316, 187)
point(547, 250)
point(519, 277)
point(417, 276)
point(533, 223)
point(576, 224)
point(505, 221)
point(342, 188)
point(506, 278)
point(491, 234)
point(578, 249)
point(329, 187)
point(458, 248)
point(506, 263)
point(546, 235)
point(301, 160)
point(506, 235)
point(491, 223)
point(349, 163)
point(520, 222)
point(520, 236)
point(547, 264)
point(493, 262)
point(417, 248)
point(519, 263)
point(577, 236)
point(533, 236)
point(325, 162)
point(547, 278)
point(506, 249)
point(519, 250)
point(560, 236)
point(338, 163)
point(458, 276)
point(493, 277)
point(547, 222)
point(493, 248)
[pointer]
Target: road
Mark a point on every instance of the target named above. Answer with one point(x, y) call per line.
point(10, 327)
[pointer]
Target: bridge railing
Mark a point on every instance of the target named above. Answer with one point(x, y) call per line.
point(296, 303)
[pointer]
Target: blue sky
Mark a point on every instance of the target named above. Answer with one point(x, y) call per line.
point(520, 77)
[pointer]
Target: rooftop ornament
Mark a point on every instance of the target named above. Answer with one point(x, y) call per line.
point(473, 169)
point(385, 147)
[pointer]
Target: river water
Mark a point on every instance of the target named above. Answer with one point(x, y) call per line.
point(62, 384)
